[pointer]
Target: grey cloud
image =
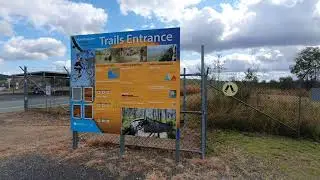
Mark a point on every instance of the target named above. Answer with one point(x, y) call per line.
point(266, 24)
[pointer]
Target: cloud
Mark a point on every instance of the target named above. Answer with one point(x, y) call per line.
point(128, 29)
point(166, 11)
point(271, 62)
point(19, 48)
point(56, 15)
point(6, 28)
point(246, 24)
point(61, 64)
point(264, 23)
point(148, 26)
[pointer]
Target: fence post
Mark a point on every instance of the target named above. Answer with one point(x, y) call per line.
point(46, 102)
point(184, 105)
point(203, 104)
point(299, 116)
point(53, 90)
point(13, 83)
point(25, 89)
point(205, 108)
point(299, 107)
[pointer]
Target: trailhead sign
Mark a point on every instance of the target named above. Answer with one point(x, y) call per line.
point(126, 82)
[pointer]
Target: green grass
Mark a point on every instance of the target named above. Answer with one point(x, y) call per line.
point(268, 157)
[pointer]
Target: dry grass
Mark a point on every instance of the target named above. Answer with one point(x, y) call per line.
point(191, 89)
point(227, 113)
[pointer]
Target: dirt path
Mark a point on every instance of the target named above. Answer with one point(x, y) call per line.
point(27, 132)
point(37, 145)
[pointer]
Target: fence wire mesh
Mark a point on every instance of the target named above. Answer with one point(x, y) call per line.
point(48, 90)
point(268, 107)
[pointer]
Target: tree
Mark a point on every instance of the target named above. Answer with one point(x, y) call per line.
point(307, 64)
point(251, 75)
point(207, 68)
point(286, 82)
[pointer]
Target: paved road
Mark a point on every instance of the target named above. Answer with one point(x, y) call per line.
point(11, 103)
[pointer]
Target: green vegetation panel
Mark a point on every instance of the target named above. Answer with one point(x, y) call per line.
point(260, 156)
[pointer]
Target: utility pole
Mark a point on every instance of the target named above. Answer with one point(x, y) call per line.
point(218, 66)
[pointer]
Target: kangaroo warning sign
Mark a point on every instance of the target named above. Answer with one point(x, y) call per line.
point(230, 89)
point(126, 82)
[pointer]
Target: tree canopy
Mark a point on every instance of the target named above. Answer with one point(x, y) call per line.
point(307, 63)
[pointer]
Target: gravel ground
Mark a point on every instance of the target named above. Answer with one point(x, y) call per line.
point(38, 167)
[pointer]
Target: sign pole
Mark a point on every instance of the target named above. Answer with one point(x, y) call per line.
point(178, 145)
point(203, 104)
point(75, 139)
point(184, 106)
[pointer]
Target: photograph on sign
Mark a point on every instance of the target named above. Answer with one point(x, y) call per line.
point(76, 111)
point(88, 111)
point(146, 122)
point(77, 94)
point(122, 55)
point(172, 93)
point(88, 94)
point(82, 72)
point(162, 53)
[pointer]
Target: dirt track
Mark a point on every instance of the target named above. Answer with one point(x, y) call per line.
point(37, 145)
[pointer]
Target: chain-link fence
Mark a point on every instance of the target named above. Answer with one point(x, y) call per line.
point(48, 90)
point(275, 107)
point(42, 89)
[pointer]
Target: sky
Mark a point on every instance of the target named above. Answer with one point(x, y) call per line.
point(260, 34)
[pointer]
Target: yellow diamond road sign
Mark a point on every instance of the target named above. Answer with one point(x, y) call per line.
point(230, 89)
